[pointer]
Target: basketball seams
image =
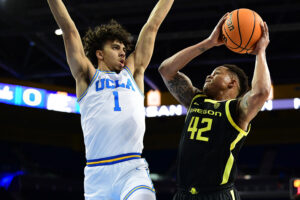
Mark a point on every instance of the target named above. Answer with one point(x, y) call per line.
point(230, 39)
point(238, 22)
point(238, 46)
point(244, 48)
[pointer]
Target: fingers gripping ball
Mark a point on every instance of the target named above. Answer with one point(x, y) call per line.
point(241, 30)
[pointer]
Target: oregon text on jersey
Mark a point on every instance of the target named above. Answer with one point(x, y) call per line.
point(205, 112)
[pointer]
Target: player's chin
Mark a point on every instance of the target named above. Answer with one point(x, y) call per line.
point(206, 87)
point(119, 67)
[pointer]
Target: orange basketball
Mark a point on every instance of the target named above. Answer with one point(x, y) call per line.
point(241, 30)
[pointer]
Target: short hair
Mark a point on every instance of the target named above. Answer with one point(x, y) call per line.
point(243, 78)
point(95, 39)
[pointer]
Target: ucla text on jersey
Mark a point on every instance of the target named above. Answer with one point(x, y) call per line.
point(111, 84)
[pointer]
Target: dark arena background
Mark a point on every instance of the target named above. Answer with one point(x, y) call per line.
point(41, 144)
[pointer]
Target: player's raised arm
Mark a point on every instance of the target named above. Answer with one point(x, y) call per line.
point(251, 103)
point(179, 84)
point(78, 62)
point(140, 58)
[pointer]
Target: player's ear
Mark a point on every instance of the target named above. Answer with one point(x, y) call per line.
point(99, 54)
point(232, 83)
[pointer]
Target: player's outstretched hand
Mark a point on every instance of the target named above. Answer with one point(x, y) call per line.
point(216, 35)
point(264, 41)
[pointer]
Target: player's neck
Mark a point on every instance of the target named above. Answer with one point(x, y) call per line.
point(103, 67)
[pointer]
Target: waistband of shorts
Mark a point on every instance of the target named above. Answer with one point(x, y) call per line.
point(113, 159)
point(206, 190)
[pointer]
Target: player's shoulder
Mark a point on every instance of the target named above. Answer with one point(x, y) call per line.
point(199, 93)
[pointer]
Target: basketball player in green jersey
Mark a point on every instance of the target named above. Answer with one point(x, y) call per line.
point(218, 118)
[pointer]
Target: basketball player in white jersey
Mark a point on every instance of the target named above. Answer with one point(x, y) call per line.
point(110, 89)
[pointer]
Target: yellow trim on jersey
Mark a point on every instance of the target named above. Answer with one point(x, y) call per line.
point(93, 79)
point(211, 101)
point(228, 168)
point(230, 160)
point(241, 134)
point(237, 139)
point(198, 95)
point(195, 97)
point(232, 122)
point(232, 194)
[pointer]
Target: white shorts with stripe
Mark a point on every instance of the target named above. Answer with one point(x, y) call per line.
point(106, 180)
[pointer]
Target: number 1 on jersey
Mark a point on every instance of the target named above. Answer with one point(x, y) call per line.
point(117, 106)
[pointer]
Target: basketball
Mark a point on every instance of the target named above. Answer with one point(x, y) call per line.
point(241, 30)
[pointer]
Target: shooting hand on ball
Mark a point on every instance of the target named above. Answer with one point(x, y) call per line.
point(264, 41)
point(216, 35)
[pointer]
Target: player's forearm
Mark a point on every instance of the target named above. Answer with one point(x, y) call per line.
point(175, 63)
point(158, 14)
point(261, 82)
point(61, 15)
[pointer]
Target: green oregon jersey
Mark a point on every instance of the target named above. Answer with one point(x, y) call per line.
point(209, 145)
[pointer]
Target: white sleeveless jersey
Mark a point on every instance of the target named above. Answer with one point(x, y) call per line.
point(112, 115)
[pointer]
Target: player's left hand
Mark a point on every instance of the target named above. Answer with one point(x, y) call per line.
point(264, 41)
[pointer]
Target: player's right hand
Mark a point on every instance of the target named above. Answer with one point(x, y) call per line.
point(216, 35)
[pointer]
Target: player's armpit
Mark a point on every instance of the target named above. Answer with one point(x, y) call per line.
point(249, 105)
point(181, 88)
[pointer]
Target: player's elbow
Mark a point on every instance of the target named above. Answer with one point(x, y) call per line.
point(69, 33)
point(266, 92)
point(163, 68)
point(263, 93)
point(152, 26)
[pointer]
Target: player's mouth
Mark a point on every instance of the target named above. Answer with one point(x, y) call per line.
point(207, 80)
point(122, 62)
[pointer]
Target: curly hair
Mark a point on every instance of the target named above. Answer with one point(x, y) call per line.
point(243, 78)
point(95, 39)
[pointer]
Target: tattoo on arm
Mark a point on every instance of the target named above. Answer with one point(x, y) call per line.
point(245, 100)
point(202, 49)
point(182, 88)
point(245, 103)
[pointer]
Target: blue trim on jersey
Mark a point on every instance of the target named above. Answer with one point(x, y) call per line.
point(130, 74)
point(107, 72)
point(113, 159)
point(137, 188)
point(85, 92)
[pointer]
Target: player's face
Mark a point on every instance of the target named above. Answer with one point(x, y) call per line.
point(217, 80)
point(114, 55)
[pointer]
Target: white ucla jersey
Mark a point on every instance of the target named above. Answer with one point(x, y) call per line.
point(112, 115)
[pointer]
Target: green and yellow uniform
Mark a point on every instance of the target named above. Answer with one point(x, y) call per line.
point(209, 146)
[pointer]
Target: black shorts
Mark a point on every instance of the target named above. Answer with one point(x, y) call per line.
point(226, 194)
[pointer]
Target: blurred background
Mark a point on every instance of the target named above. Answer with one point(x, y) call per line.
point(41, 145)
